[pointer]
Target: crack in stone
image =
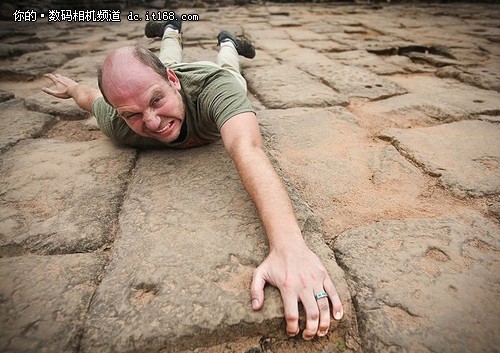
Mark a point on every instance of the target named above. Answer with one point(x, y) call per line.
point(409, 157)
point(401, 307)
point(114, 230)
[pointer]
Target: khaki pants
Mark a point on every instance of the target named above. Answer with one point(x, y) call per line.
point(171, 53)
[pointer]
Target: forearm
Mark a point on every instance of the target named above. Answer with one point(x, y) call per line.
point(267, 191)
point(243, 141)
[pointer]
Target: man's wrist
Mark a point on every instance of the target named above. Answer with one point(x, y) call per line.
point(71, 90)
point(286, 240)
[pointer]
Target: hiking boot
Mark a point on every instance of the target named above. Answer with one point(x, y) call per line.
point(155, 29)
point(243, 45)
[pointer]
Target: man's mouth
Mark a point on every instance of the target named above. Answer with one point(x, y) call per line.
point(164, 128)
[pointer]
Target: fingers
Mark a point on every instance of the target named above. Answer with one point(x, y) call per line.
point(318, 312)
point(291, 308)
point(324, 316)
point(51, 77)
point(57, 78)
point(257, 289)
point(61, 86)
point(312, 316)
point(47, 90)
point(338, 310)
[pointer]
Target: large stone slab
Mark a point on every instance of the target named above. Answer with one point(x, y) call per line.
point(275, 46)
point(182, 263)
point(18, 123)
point(298, 56)
point(326, 46)
point(482, 77)
point(465, 155)
point(32, 65)
point(44, 301)
point(354, 81)
point(60, 197)
point(84, 67)
point(341, 173)
point(12, 50)
point(6, 95)
point(366, 60)
point(64, 109)
point(285, 86)
point(430, 99)
point(305, 35)
point(442, 99)
point(425, 285)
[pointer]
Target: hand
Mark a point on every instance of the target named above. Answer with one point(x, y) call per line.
point(63, 88)
point(299, 274)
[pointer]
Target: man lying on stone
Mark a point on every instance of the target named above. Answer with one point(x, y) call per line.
point(146, 100)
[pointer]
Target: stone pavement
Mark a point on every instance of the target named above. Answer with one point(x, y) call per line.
point(383, 122)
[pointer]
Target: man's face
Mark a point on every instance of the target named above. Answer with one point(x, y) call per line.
point(151, 105)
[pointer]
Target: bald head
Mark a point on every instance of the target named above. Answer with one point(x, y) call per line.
point(116, 71)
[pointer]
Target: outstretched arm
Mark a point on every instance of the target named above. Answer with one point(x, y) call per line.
point(290, 266)
point(66, 88)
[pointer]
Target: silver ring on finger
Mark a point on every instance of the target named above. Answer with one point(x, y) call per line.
point(320, 295)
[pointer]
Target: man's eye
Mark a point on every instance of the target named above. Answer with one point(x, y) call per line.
point(131, 116)
point(156, 101)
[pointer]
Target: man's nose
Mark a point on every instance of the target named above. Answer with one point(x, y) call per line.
point(151, 120)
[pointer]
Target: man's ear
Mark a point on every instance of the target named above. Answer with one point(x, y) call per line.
point(173, 79)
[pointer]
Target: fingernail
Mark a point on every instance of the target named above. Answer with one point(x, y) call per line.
point(337, 315)
point(322, 333)
point(308, 338)
point(255, 303)
point(293, 334)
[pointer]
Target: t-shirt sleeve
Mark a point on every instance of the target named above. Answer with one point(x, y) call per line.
point(105, 115)
point(226, 98)
point(114, 127)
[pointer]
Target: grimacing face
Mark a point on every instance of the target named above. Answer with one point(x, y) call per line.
point(151, 105)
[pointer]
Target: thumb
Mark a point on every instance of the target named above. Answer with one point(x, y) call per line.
point(257, 289)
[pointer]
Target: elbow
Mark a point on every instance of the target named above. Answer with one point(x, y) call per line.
point(242, 148)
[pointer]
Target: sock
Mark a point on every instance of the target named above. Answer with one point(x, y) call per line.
point(228, 43)
point(170, 29)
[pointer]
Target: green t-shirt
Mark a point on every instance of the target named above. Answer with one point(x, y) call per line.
point(211, 96)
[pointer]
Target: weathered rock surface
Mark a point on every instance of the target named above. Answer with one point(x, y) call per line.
point(60, 197)
point(369, 61)
point(5, 96)
point(341, 174)
point(32, 65)
point(269, 84)
point(154, 271)
point(354, 81)
point(425, 285)
point(64, 109)
point(465, 155)
point(18, 123)
point(413, 215)
point(430, 101)
point(482, 78)
point(44, 301)
point(10, 50)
